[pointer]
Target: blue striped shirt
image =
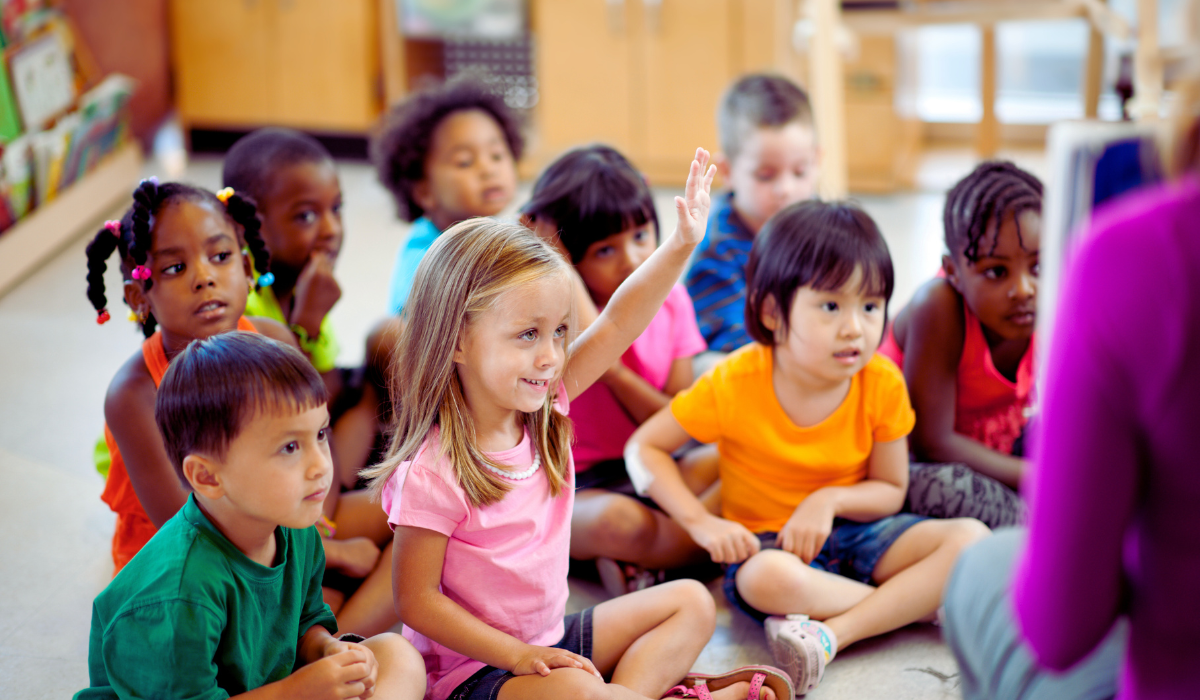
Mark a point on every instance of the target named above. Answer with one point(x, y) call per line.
point(717, 278)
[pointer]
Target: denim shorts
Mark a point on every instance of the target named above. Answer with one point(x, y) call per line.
point(852, 550)
point(485, 683)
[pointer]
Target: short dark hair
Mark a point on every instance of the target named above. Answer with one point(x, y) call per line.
point(399, 148)
point(590, 193)
point(255, 157)
point(217, 385)
point(993, 191)
point(756, 101)
point(813, 244)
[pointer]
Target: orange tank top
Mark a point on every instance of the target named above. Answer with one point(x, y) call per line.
point(988, 407)
point(134, 528)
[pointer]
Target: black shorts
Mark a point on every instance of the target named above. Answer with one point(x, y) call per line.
point(485, 683)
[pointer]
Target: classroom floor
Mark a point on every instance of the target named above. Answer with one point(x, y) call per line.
point(57, 363)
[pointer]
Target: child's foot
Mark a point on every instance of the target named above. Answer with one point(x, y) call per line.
point(619, 578)
point(802, 647)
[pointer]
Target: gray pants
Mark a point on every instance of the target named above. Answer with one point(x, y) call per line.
point(957, 491)
point(994, 661)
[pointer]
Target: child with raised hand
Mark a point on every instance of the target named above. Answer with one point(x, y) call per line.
point(811, 425)
point(446, 154)
point(226, 599)
point(294, 182)
point(769, 160)
point(966, 346)
point(479, 479)
point(186, 276)
point(598, 208)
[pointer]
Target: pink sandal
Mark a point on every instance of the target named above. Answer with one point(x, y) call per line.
point(701, 685)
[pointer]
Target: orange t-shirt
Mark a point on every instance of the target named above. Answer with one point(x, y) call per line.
point(134, 528)
point(768, 464)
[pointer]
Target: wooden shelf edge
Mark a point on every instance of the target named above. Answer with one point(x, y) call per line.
point(77, 210)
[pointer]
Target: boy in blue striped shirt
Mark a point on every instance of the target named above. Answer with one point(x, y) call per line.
point(769, 160)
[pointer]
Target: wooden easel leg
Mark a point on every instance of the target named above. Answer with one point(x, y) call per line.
point(987, 138)
point(829, 98)
point(1093, 73)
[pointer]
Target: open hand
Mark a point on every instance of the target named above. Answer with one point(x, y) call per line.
point(315, 293)
point(540, 660)
point(725, 541)
point(806, 531)
point(346, 671)
point(693, 206)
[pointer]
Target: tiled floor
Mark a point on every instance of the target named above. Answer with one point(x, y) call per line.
point(57, 364)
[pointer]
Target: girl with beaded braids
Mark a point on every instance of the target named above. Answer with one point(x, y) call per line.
point(965, 344)
point(186, 278)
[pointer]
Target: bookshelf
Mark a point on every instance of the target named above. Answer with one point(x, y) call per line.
point(76, 211)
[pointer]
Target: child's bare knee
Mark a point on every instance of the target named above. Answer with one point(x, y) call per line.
point(768, 575)
point(964, 532)
point(396, 653)
point(694, 600)
point(625, 524)
point(577, 683)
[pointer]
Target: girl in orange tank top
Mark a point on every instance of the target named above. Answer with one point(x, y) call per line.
point(181, 254)
point(965, 344)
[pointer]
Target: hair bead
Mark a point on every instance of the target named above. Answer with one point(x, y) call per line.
point(141, 272)
point(266, 279)
point(102, 317)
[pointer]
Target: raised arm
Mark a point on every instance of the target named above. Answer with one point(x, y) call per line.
point(635, 302)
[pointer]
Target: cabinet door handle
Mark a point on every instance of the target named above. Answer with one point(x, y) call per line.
point(616, 16)
point(653, 15)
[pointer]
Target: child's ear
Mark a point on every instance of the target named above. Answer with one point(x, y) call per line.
point(200, 474)
point(722, 162)
point(135, 297)
point(248, 268)
point(423, 195)
point(951, 270)
point(769, 314)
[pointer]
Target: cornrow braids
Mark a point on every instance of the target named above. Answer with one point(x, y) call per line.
point(241, 208)
point(993, 191)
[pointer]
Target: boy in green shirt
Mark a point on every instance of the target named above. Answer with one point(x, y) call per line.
point(226, 599)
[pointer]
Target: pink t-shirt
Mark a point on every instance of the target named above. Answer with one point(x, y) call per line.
point(506, 563)
point(602, 426)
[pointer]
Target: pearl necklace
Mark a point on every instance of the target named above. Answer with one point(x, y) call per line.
point(518, 476)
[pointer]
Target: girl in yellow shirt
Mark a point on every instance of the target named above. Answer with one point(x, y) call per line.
point(811, 428)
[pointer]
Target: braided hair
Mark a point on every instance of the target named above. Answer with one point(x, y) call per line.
point(132, 237)
point(992, 192)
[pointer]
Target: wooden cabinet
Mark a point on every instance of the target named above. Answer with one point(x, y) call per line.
point(645, 76)
point(308, 64)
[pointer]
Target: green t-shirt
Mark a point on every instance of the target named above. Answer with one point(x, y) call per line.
point(324, 348)
point(192, 617)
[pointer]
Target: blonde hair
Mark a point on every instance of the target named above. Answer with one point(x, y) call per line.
point(462, 276)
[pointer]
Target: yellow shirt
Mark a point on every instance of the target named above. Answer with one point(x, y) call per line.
point(768, 464)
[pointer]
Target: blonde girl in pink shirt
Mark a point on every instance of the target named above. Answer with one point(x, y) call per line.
point(479, 481)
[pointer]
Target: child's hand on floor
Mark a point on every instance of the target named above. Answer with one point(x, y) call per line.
point(316, 292)
point(693, 206)
point(806, 531)
point(355, 557)
point(725, 541)
point(541, 659)
point(344, 671)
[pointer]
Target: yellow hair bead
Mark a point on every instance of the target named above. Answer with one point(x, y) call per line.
point(225, 194)
point(133, 316)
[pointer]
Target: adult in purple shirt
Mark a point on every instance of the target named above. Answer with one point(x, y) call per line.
point(1113, 534)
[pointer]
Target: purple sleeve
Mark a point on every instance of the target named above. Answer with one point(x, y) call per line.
point(1068, 586)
